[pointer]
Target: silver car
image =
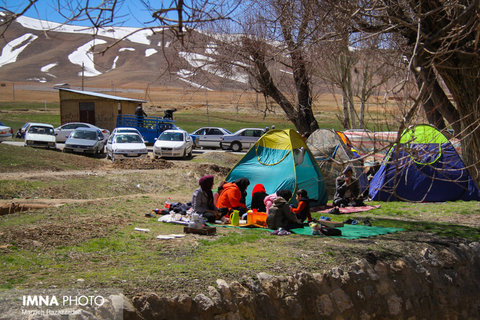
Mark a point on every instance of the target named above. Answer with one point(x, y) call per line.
point(64, 131)
point(242, 139)
point(85, 140)
point(209, 137)
point(5, 132)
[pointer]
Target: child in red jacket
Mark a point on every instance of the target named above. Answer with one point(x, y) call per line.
point(302, 211)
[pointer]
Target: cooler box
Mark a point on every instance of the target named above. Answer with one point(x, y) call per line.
point(259, 218)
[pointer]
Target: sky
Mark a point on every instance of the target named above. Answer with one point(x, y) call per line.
point(128, 13)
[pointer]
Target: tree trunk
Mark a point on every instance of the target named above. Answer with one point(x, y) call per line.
point(460, 74)
point(302, 117)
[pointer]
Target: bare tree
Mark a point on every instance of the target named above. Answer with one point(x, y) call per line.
point(274, 46)
point(441, 41)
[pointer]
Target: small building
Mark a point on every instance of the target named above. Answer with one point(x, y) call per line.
point(92, 107)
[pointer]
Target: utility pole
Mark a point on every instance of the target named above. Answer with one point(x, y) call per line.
point(13, 91)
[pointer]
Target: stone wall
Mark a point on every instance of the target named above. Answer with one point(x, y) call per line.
point(443, 284)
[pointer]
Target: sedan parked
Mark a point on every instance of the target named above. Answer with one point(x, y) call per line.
point(85, 140)
point(173, 143)
point(64, 131)
point(125, 130)
point(40, 135)
point(209, 137)
point(242, 139)
point(5, 132)
point(126, 145)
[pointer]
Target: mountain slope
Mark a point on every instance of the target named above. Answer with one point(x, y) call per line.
point(45, 52)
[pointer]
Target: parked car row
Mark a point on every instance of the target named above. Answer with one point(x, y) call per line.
point(127, 142)
point(215, 137)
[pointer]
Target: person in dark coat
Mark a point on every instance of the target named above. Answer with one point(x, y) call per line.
point(258, 195)
point(202, 199)
point(280, 216)
point(140, 114)
point(347, 190)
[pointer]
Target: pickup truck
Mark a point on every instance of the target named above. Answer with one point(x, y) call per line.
point(149, 127)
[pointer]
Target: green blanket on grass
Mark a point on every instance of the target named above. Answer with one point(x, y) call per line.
point(348, 231)
point(353, 231)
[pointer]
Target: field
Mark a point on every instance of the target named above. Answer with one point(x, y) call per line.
point(80, 230)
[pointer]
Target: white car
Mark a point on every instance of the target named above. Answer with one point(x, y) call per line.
point(173, 143)
point(64, 131)
point(125, 145)
point(40, 135)
point(125, 130)
point(242, 139)
point(5, 132)
point(209, 137)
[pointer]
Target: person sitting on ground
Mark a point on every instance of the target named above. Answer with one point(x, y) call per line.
point(268, 201)
point(302, 211)
point(233, 196)
point(258, 195)
point(202, 199)
point(280, 216)
point(347, 190)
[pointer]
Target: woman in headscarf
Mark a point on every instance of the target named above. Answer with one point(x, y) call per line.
point(202, 199)
point(233, 196)
point(258, 195)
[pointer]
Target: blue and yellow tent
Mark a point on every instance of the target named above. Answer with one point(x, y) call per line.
point(424, 166)
point(281, 160)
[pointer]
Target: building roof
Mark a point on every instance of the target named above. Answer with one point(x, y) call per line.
point(102, 95)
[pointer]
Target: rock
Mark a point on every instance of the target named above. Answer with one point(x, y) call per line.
point(394, 305)
point(224, 289)
point(324, 305)
point(184, 303)
point(203, 302)
point(342, 300)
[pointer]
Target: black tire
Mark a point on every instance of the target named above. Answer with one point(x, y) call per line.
point(236, 146)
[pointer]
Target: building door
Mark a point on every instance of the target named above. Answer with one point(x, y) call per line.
point(87, 112)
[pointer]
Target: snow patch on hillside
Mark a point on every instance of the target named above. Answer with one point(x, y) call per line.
point(196, 85)
point(12, 50)
point(149, 52)
point(133, 34)
point(211, 48)
point(184, 73)
point(206, 64)
point(84, 55)
point(114, 64)
point(41, 80)
point(126, 49)
point(48, 67)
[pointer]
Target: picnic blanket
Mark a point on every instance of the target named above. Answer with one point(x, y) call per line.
point(344, 210)
point(353, 231)
point(348, 231)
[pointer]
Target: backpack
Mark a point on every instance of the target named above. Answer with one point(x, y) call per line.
point(330, 231)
